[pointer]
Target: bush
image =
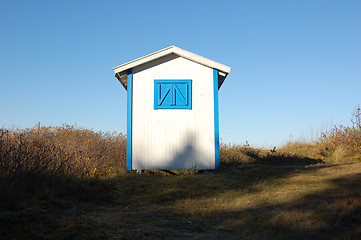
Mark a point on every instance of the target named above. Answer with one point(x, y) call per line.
point(233, 153)
point(348, 137)
point(31, 157)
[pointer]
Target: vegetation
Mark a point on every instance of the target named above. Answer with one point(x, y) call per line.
point(34, 161)
point(70, 183)
point(344, 137)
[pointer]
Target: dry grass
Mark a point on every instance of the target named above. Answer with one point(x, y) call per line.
point(33, 160)
point(250, 202)
point(51, 190)
point(349, 137)
point(67, 149)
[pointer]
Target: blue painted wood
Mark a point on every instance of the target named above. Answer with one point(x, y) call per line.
point(173, 94)
point(165, 94)
point(216, 119)
point(129, 118)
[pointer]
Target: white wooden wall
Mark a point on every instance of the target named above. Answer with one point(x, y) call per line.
point(173, 138)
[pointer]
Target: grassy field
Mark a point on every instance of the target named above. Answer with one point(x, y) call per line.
point(70, 183)
point(270, 196)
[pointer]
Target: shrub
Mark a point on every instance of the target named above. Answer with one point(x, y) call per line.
point(348, 137)
point(61, 150)
point(235, 153)
point(30, 157)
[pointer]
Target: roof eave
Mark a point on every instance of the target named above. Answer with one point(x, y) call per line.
point(201, 60)
point(121, 70)
point(142, 60)
point(177, 51)
point(122, 77)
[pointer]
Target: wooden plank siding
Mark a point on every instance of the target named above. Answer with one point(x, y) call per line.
point(173, 138)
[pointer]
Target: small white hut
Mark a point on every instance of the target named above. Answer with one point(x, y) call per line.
point(172, 110)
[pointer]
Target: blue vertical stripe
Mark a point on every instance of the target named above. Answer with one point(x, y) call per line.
point(129, 117)
point(216, 118)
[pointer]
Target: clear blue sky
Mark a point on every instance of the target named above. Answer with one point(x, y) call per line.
point(296, 65)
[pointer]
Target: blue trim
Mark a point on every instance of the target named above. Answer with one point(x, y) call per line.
point(216, 118)
point(129, 117)
point(173, 94)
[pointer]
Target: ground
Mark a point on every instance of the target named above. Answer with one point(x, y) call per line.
point(265, 199)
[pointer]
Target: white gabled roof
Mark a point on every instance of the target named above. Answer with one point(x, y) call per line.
point(120, 70)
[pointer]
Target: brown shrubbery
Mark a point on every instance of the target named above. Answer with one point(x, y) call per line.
point(346, 137)
point(340, 144)
point(32, 157)
point(343, 143)
point(63, 150)
point(39, 158)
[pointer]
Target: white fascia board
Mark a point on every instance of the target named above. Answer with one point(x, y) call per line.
point(142, 60)
point(201, 60)
point(175, 50)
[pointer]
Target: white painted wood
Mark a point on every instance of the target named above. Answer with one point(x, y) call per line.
point(173, 50)
point(201, 60)
point(142, 60)
point(173, 138)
